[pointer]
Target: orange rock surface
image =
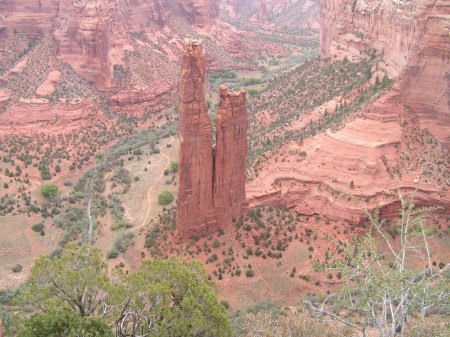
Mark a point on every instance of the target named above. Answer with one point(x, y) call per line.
point(414, 39)
point(125, 50)
point(195, 213)
point(398, 141)
point(211, 188)
point(230, 155)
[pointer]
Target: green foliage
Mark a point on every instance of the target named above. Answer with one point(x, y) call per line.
point(123, 241)
point(174, 166)
point(165, 197)
point(249, 273)
point(76, 280)
point(17, 268)
point(222, 75)
point(49, 190)
point(253, 92)
point(64, 323)
point(252, 81)
point(176, 295)
point(73, 295)
point(38, 227)
point(112, 253)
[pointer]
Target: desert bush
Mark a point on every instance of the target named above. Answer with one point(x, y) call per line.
point(38, 227)
point(174, 166)
point(165, 197)
point(49, 190)
point(123, 241)
point(17, 268)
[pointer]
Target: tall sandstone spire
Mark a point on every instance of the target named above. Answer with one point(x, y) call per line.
point(211, 188)
point(195, 213)
point(230, 155)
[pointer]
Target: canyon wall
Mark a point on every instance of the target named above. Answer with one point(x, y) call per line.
point(117, 53)
point(413, 37)
point(397, 141)
point(211, 189)
point(274, 13)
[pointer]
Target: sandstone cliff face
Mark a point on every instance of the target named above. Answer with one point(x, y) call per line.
point(195, 214)
point(127, 50)
point(414, 38)
point(275, 13)
point(85, 39)
point(230, 155)
point(34, 17)
point(396, 132)
point(211, 188)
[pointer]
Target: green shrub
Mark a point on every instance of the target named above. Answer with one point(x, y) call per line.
point(17, 268)
point(39, 227)
point(165, 197)
point(112, 254)
point(249, 273)
point(173, 166)
point(49, 190)
point(251, 81)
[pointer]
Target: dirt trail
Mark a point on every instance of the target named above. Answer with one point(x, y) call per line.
point(150, 190)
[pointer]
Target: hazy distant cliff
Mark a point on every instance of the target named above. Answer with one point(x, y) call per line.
point(414, 38)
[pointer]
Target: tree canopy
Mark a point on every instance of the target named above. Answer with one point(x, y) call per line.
point(165, 197)
point(49, 190)
point(75, 295)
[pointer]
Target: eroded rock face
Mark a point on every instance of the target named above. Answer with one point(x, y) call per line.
point(414, 39)
point(85, 41)
point(195, 213)
point(275, 13)
point(396, 131)
point(262, 12)
point(230, 155)
point(211, 188)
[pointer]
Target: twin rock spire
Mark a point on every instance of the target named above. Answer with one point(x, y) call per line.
point(211, 190)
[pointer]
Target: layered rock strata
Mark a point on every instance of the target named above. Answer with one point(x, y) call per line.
point(400, 140)
point(211, 188)
point(413, 37)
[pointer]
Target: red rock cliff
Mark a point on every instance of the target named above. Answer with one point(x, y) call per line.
point(230, 155)
point(85, 41)
point(211, 188)
point(414, 39)
point(195, 214)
